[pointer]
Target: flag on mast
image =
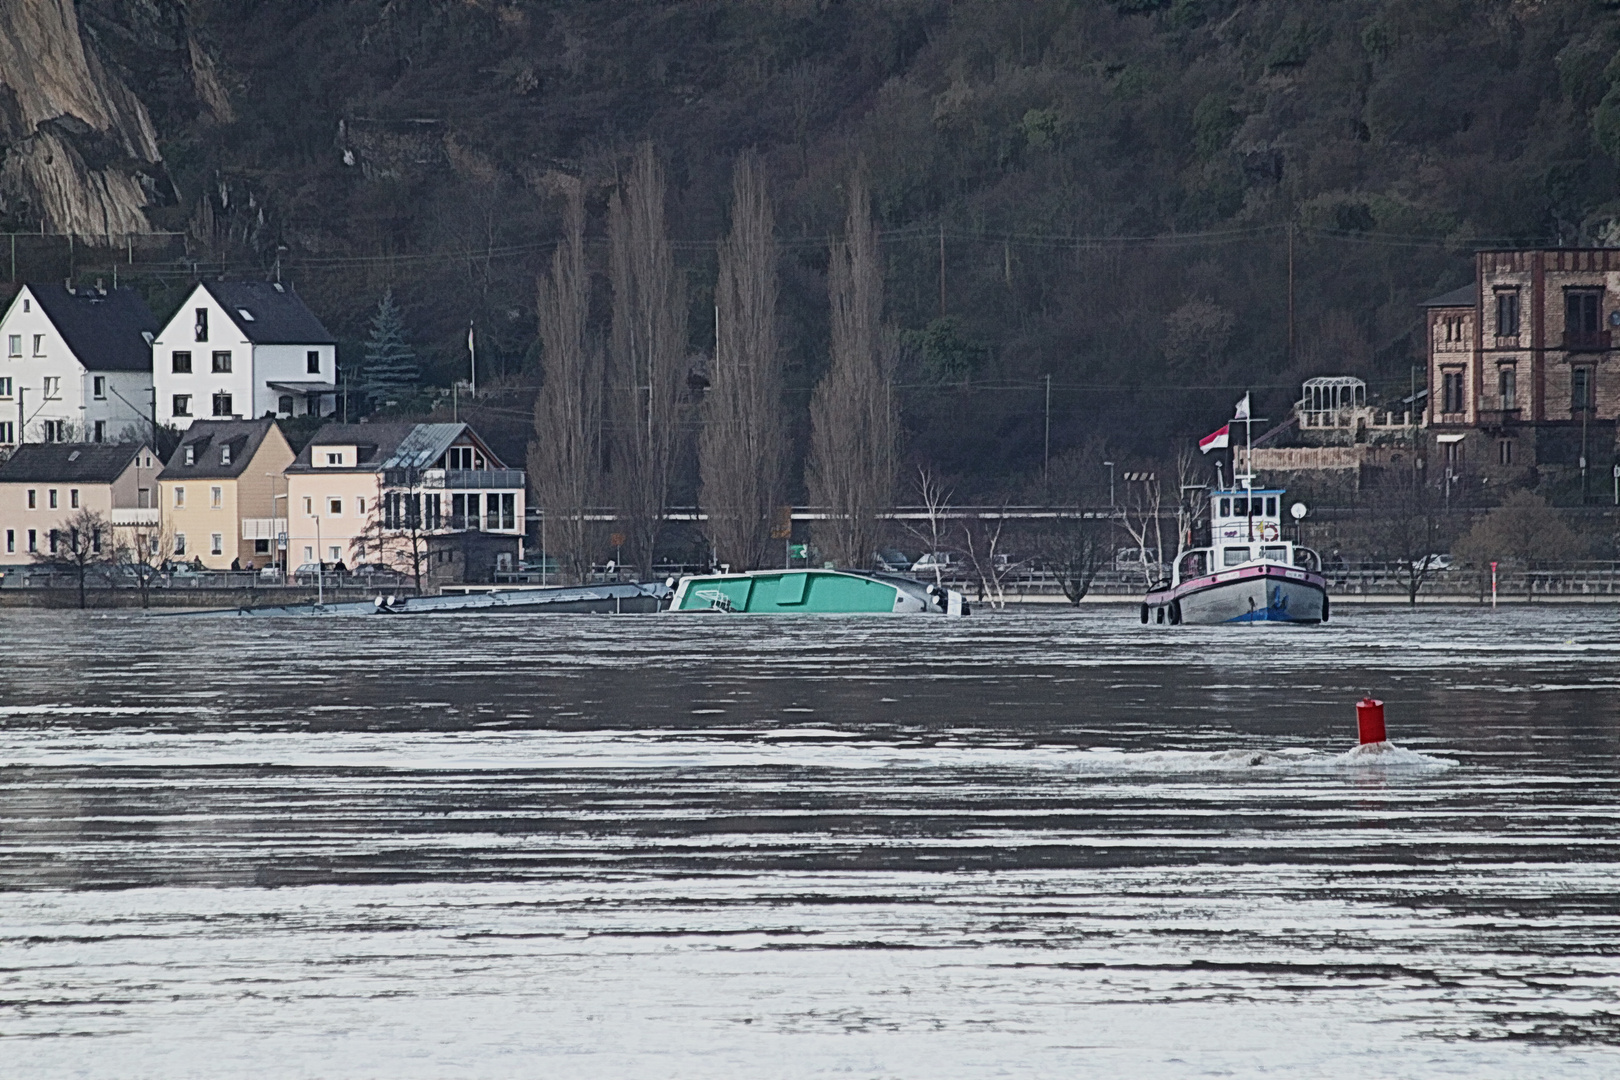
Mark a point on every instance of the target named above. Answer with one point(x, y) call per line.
point(1216, 440)
point(1242, 409)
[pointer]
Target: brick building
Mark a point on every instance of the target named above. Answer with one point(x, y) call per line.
point(1524, 382)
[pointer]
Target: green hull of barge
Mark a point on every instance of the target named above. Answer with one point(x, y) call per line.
point(799, 592)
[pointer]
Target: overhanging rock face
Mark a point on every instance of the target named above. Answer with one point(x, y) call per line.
point(75, 142)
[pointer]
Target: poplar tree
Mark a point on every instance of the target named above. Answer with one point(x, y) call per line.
point(646, 358)
point(565, 456)
point(390, 371)
point(850, 470)
point(741, 448)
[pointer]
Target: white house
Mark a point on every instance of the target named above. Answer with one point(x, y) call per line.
point(76, 366)
point(243, 349)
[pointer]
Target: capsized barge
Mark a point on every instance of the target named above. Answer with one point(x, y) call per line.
point(607, 599)
point(814, 592)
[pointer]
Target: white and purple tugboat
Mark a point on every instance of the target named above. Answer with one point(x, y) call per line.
point(1249, 573)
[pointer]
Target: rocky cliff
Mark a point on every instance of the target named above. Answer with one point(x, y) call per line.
point(78, 152)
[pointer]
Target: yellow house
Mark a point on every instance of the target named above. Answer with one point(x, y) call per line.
point(374, 493)
point(43, 486)
point(220, 492)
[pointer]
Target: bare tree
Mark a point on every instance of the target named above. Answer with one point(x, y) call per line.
point(936, 501)
point(399, 531)
point(1403, 525)
point(565, 457)
point(850, 471)
point(741, 450)
point(647, 360)
point(145, 555)
point(1139, 515)
point(1075, 548)
point(1192, 498)
point(78, 544)
point(984, 540)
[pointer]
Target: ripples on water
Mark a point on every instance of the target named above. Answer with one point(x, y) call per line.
point(1013, 845)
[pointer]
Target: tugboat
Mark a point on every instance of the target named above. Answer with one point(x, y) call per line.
point(1249, 573)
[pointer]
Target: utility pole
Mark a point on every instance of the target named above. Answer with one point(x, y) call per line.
point(1046, 458)
point(1110, 465)
point(472, 353)
point(1290, 292)
point(942, 268)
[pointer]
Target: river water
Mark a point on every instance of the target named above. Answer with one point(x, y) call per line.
point(1015, 845)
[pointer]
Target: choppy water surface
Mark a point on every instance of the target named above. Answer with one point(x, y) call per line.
point(1014, 845)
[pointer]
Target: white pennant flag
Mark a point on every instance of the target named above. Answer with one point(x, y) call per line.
point(1242, 409)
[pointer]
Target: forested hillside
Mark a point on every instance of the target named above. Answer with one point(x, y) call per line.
point(1105, 193)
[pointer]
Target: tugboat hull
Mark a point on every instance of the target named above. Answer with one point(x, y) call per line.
point(1266, 592)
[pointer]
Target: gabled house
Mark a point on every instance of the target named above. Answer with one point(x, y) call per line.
point(44, 485)
point(219, 489)
point(241, 350)
point(367, 493)
point(76, 366)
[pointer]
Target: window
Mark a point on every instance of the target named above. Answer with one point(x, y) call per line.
point(202, 324)
point(39, 344)
point(1504, 452)
point(190, 451)
point(247, 316)
point(216, 498)
point(52, 536)
point(33, 540)
point(73, 498)
point(360, 507)
point(335, 458)
point(1234, 556)
point(1451, 392)
point(334, 553)
point(309, 554)
point(222, 405)
point(182, 405)
point(5, 387)
point(179, 543)
point(8, 432)
point(261, 547)
point(312, 362)
point(179, 497)
point(334, 507)
point(284, 404)
point(50, 498)
point(225, 454)
point(309, 506)
point(1582, 313)
point(1507, 313)
point(11, 541)
point(1454, 457)
point(216, 544)
point(98, 387)
point(1226, 508)
point(14, 345)
point(95, 541)
point(33, 499)
point(1507, 387)
point(53, 386)
point(27, 305)
point(222, 363)
point(180, 363)
point(1580, 388)
point(55, 430)
point(432, 512)
point(98, 431)
point(143, 499)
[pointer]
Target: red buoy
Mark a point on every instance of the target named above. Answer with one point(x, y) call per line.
point(1370, 720)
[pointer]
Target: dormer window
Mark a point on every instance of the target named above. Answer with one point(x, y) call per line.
point(334, 457)
point(225, 454)
point(202, 324)
point(191, 455)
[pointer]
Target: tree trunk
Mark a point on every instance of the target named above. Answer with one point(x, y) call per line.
point(741, 450)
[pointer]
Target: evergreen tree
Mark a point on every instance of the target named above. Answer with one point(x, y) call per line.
point(391, 371)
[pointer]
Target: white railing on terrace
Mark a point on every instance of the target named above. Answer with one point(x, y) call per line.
point(126, 517)
point(263, 528)
point(1346, 419)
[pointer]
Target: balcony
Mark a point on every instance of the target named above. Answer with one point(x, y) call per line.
point(1587, 340)
point(1498, 418)
point(456, 479)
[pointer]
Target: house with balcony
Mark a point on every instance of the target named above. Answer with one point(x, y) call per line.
point(1524, 377)
point(219, 487)
point(43, 486)
point(77, 366)
point(1335, 437)
point(242, 350)
point(400, 494)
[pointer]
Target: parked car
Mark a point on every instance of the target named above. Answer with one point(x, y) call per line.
point(944, 561)
point(307, 573)
point(367, 570)
point(891, 560)
point(1131, 558)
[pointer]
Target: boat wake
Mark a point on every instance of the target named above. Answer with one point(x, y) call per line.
point(1381, 756)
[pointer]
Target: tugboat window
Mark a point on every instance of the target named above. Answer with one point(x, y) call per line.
point(1226, 508)
point(1234, 556)
point(1275, 554)
point(1271, 506)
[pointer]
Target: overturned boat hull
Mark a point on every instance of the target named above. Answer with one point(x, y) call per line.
point(616, 599)
point(814, 592)
point(1257, 592)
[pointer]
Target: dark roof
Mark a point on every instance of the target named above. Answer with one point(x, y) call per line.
point(68, 463)
point(107, 331)
point(205, 437)
point(377, 443)
point(280, 316)
point(1467, 296)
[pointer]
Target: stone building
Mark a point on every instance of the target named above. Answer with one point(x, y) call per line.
point(1525, 385)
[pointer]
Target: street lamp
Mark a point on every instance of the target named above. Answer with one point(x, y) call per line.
point(277, 538)
point(1110, 465)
